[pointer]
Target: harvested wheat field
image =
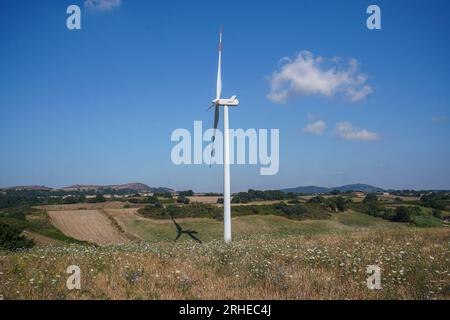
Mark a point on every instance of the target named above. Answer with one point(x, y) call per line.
point(82, 206)
point(204, 199)
point(87, 225)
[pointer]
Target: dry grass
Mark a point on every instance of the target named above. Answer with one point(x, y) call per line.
point(415, 265)
point(41, 239)
point(204, 199)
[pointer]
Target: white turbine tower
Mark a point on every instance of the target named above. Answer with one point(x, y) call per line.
point(225, 103)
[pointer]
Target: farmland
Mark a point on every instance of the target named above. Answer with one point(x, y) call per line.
point(87, 225)
point(111, 225)
point(307, 247)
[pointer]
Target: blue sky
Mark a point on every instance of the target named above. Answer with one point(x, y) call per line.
point(98, 105)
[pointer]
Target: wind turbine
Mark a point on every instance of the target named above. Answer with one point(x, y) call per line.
point(225, 103)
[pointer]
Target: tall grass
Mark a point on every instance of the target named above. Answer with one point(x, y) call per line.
point(414, 263)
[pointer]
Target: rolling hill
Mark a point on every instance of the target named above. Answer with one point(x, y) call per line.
point(344, 188)
point(136, 187)
point(28, 188)
point(129, 186)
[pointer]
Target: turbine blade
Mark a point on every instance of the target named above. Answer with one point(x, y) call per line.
point(176, 225)
point(213, 138)
point(194, 237)
point(216, 121)
point(219, 68)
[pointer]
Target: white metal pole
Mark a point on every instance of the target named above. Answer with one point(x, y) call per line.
point(226, 178)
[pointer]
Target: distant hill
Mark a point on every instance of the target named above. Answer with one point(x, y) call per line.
point(136, 187)
point(139, 187)
point(359, 187)
point(307, 190)
point(29, 188)
point(161, 190)
point(132, 187)
point(349, 187)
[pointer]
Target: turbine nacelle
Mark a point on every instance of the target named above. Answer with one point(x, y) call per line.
point(232, 102)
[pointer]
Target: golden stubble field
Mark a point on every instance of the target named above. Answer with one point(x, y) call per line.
point(87, 225)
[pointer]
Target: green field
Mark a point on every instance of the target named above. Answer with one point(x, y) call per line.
point(249, 225)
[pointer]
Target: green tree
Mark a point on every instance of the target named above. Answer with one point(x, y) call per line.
point(340, 204)
point(99, 198)
point(235, 199)
point(183, 199)
point(316, 199)
point(402, 214)
point(370, 198)
point(187, 193)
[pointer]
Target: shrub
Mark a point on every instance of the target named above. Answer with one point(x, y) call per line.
point(187, 193)
point(402, 214)
point(11, 238)
point(73, 199)
point(183, 199)
point(340, 204)
point(258, 195)
point(437, 213)
point(151, 199)
point(280, 205)
point(167, 195)
point(370, 198)
point(98, 199)
point(192, 210)
point(434, 200)
point(235, 199)
point(316, 199)
point(295, 210)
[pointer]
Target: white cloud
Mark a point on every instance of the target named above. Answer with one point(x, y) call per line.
point(438, 120)
point(346, 131)
point(317, 127)
point(308, 75)
point(102, 5)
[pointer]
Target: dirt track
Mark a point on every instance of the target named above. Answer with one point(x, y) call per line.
point(87, 225)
